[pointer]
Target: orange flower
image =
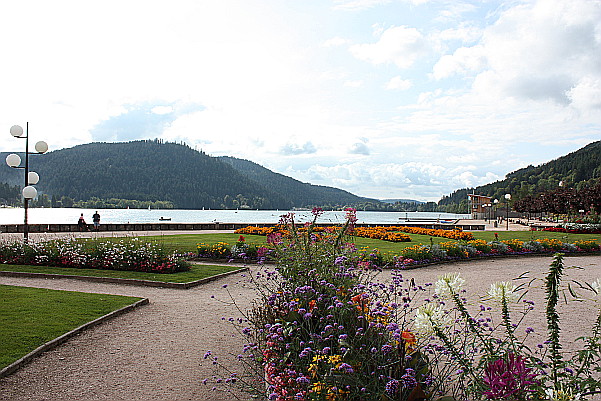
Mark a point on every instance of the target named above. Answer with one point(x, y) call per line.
point(409, 340)
point(312, 305)
point(361, 302)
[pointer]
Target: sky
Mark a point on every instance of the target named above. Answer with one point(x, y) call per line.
point(387, 99)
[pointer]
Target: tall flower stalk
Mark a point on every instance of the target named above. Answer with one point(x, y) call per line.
point(552, 283)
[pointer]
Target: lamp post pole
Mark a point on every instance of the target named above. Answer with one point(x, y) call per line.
point(507, 198)
point(31, 178)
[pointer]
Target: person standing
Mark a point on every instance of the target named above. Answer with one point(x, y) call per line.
point(96, 220)
point(81, 223)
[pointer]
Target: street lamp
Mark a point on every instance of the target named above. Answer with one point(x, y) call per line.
point(31, 177)
point(507, 198)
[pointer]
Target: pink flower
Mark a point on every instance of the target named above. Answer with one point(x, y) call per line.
point(508, 377)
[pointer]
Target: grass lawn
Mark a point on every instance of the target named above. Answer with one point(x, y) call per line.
point(30, 317)
point(188, 242)
point(197, 272)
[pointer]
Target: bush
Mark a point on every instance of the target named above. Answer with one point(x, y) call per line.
point(323, 330)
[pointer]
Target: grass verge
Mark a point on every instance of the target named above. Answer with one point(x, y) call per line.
point(197, 272)
point(30, 317)
point(188, 242)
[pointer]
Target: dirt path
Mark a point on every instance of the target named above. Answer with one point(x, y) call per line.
point(155, 352)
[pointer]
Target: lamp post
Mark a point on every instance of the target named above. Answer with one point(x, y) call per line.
point(31, 177)
point(507, 198)
point(495, 203)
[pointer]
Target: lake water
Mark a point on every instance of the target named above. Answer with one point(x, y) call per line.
point(70, 215)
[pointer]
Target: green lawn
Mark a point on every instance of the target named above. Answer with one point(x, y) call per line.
point(188, 242)
point(30, 317)
point(197, 272)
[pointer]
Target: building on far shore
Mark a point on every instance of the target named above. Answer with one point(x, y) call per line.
point(481, 206)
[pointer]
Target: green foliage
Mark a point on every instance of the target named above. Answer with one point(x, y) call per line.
point(113, 203)
point(10, 195)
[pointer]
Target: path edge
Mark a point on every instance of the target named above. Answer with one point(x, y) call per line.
point(8, 370)
point(130, 281)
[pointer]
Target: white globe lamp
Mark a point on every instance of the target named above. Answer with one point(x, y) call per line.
point(13, 160)
point(41, 147)
point(29, 192)
point(33, 178)
point(16, 131)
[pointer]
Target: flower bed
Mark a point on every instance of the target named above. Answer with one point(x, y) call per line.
point(447, 251)
point(125, 254)
point(576, 228)
point(391, 233)
point(323, 329)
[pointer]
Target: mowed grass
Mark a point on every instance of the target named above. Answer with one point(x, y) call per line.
point(30, 317)
point(188, 242)
point(197, 272)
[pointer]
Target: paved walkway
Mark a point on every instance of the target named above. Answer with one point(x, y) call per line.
point(155, 352)
point(152, 353)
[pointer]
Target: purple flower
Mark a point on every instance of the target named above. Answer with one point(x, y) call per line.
point(392, 387)
point(345, 367)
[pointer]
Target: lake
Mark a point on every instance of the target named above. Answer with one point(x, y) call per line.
point(120, 216)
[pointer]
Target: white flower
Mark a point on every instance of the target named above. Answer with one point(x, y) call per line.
point(596, 286)
point(429, 316)
point(562, 394)
point(449, 284)
point(503, 290)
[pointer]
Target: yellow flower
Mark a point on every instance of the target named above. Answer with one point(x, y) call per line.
point(313, 369)
point(335, 359)
point(318, 387)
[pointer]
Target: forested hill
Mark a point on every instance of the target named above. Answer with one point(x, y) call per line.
point(302, 193)
point(157, 171)
point(576, 170)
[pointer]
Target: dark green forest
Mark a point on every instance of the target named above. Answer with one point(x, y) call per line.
point(576, 170)
point(155, 174)
point(166, 175)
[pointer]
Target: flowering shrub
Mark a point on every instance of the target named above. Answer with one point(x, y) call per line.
point(125, 254)
point(490, 359)
point(588, 246)
point(323, 330)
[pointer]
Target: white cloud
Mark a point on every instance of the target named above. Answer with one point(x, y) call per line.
point(485, 87)
point(335, 42)
point(400, 45)
point(353, 84)
point(464, 61)
point(398, 83)
point(357, 5)
point(586, 94)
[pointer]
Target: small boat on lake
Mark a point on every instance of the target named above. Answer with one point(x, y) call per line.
point(165, 218)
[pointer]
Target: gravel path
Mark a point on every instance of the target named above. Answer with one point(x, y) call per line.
point(155, 352)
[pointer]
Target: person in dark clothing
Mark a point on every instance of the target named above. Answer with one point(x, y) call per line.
point(96, 220)
point(81, 223)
